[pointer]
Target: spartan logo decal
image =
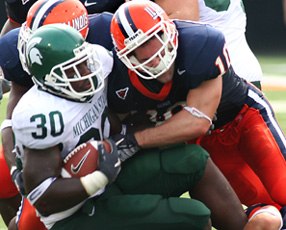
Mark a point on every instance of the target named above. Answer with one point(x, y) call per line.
point(122, 93)
point(34, 55)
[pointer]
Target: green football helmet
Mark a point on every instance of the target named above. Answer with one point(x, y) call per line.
point(57, 48)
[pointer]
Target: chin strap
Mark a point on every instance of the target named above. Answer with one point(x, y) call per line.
point(197, 113)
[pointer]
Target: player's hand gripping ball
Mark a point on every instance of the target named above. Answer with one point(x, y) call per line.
point(82, 160)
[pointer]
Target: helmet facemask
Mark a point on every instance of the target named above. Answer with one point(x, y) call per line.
point(24, 34)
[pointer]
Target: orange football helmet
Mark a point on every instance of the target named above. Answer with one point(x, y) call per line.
point(133, 24)
point(44, 12)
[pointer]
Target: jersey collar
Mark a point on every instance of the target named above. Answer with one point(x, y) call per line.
point(161, 96)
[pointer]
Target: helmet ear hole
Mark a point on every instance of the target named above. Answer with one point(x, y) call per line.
point(135, 23)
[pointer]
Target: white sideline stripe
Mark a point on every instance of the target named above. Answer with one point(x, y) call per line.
point(255, 97)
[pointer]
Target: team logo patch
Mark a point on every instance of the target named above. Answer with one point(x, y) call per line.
point(89, 3)
point(25, 1)
point(80, 23)
point(75, 169)
point(181, 72)
point(34, 54)
point(122, 93)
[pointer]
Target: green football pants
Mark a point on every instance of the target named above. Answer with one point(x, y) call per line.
point(146, 194)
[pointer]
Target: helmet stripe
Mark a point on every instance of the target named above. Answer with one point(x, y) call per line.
point(41, 14)
point(126, 23)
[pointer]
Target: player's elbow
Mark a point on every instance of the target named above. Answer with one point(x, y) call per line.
point(199, 129)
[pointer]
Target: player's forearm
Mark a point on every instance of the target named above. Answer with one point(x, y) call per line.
point(9, 25)
point(7, 135)
point(179, 128)
point(17, 91)
point(44, 185)
point(62, 194)
point(8, 146)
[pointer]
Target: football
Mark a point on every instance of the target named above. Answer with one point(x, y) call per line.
point(82, 160)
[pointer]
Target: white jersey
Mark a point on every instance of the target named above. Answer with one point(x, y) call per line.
point(41, 120)
point(229, 17)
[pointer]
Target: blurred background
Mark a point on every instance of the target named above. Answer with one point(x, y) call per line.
point(266, 31)
point(3, 15)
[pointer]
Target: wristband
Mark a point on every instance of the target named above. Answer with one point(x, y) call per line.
point(94, 182)
point(6, 124)
point(37, 192)
point(197, 113)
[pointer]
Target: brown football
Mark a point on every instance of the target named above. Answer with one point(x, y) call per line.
point(82, 160)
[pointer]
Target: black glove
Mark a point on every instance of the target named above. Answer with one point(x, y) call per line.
point(126, 144)
point(109, 163)
point(17, 178)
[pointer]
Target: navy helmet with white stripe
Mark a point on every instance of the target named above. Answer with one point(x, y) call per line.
point(133, 24)
point(44, 12)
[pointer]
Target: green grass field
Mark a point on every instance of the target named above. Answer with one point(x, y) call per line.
point(272, 66)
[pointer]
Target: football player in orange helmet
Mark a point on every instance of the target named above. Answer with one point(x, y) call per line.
point(17, 10)
point(70, 12)
point(247, 68)
point(199, 70)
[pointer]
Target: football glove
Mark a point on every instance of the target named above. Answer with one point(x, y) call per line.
point(17, 178)
point(109, 163)
point(126, 144)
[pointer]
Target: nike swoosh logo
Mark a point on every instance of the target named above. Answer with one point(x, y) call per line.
point(76, 168)
point(92, 211)
point(180, 72)
point(87, 4)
